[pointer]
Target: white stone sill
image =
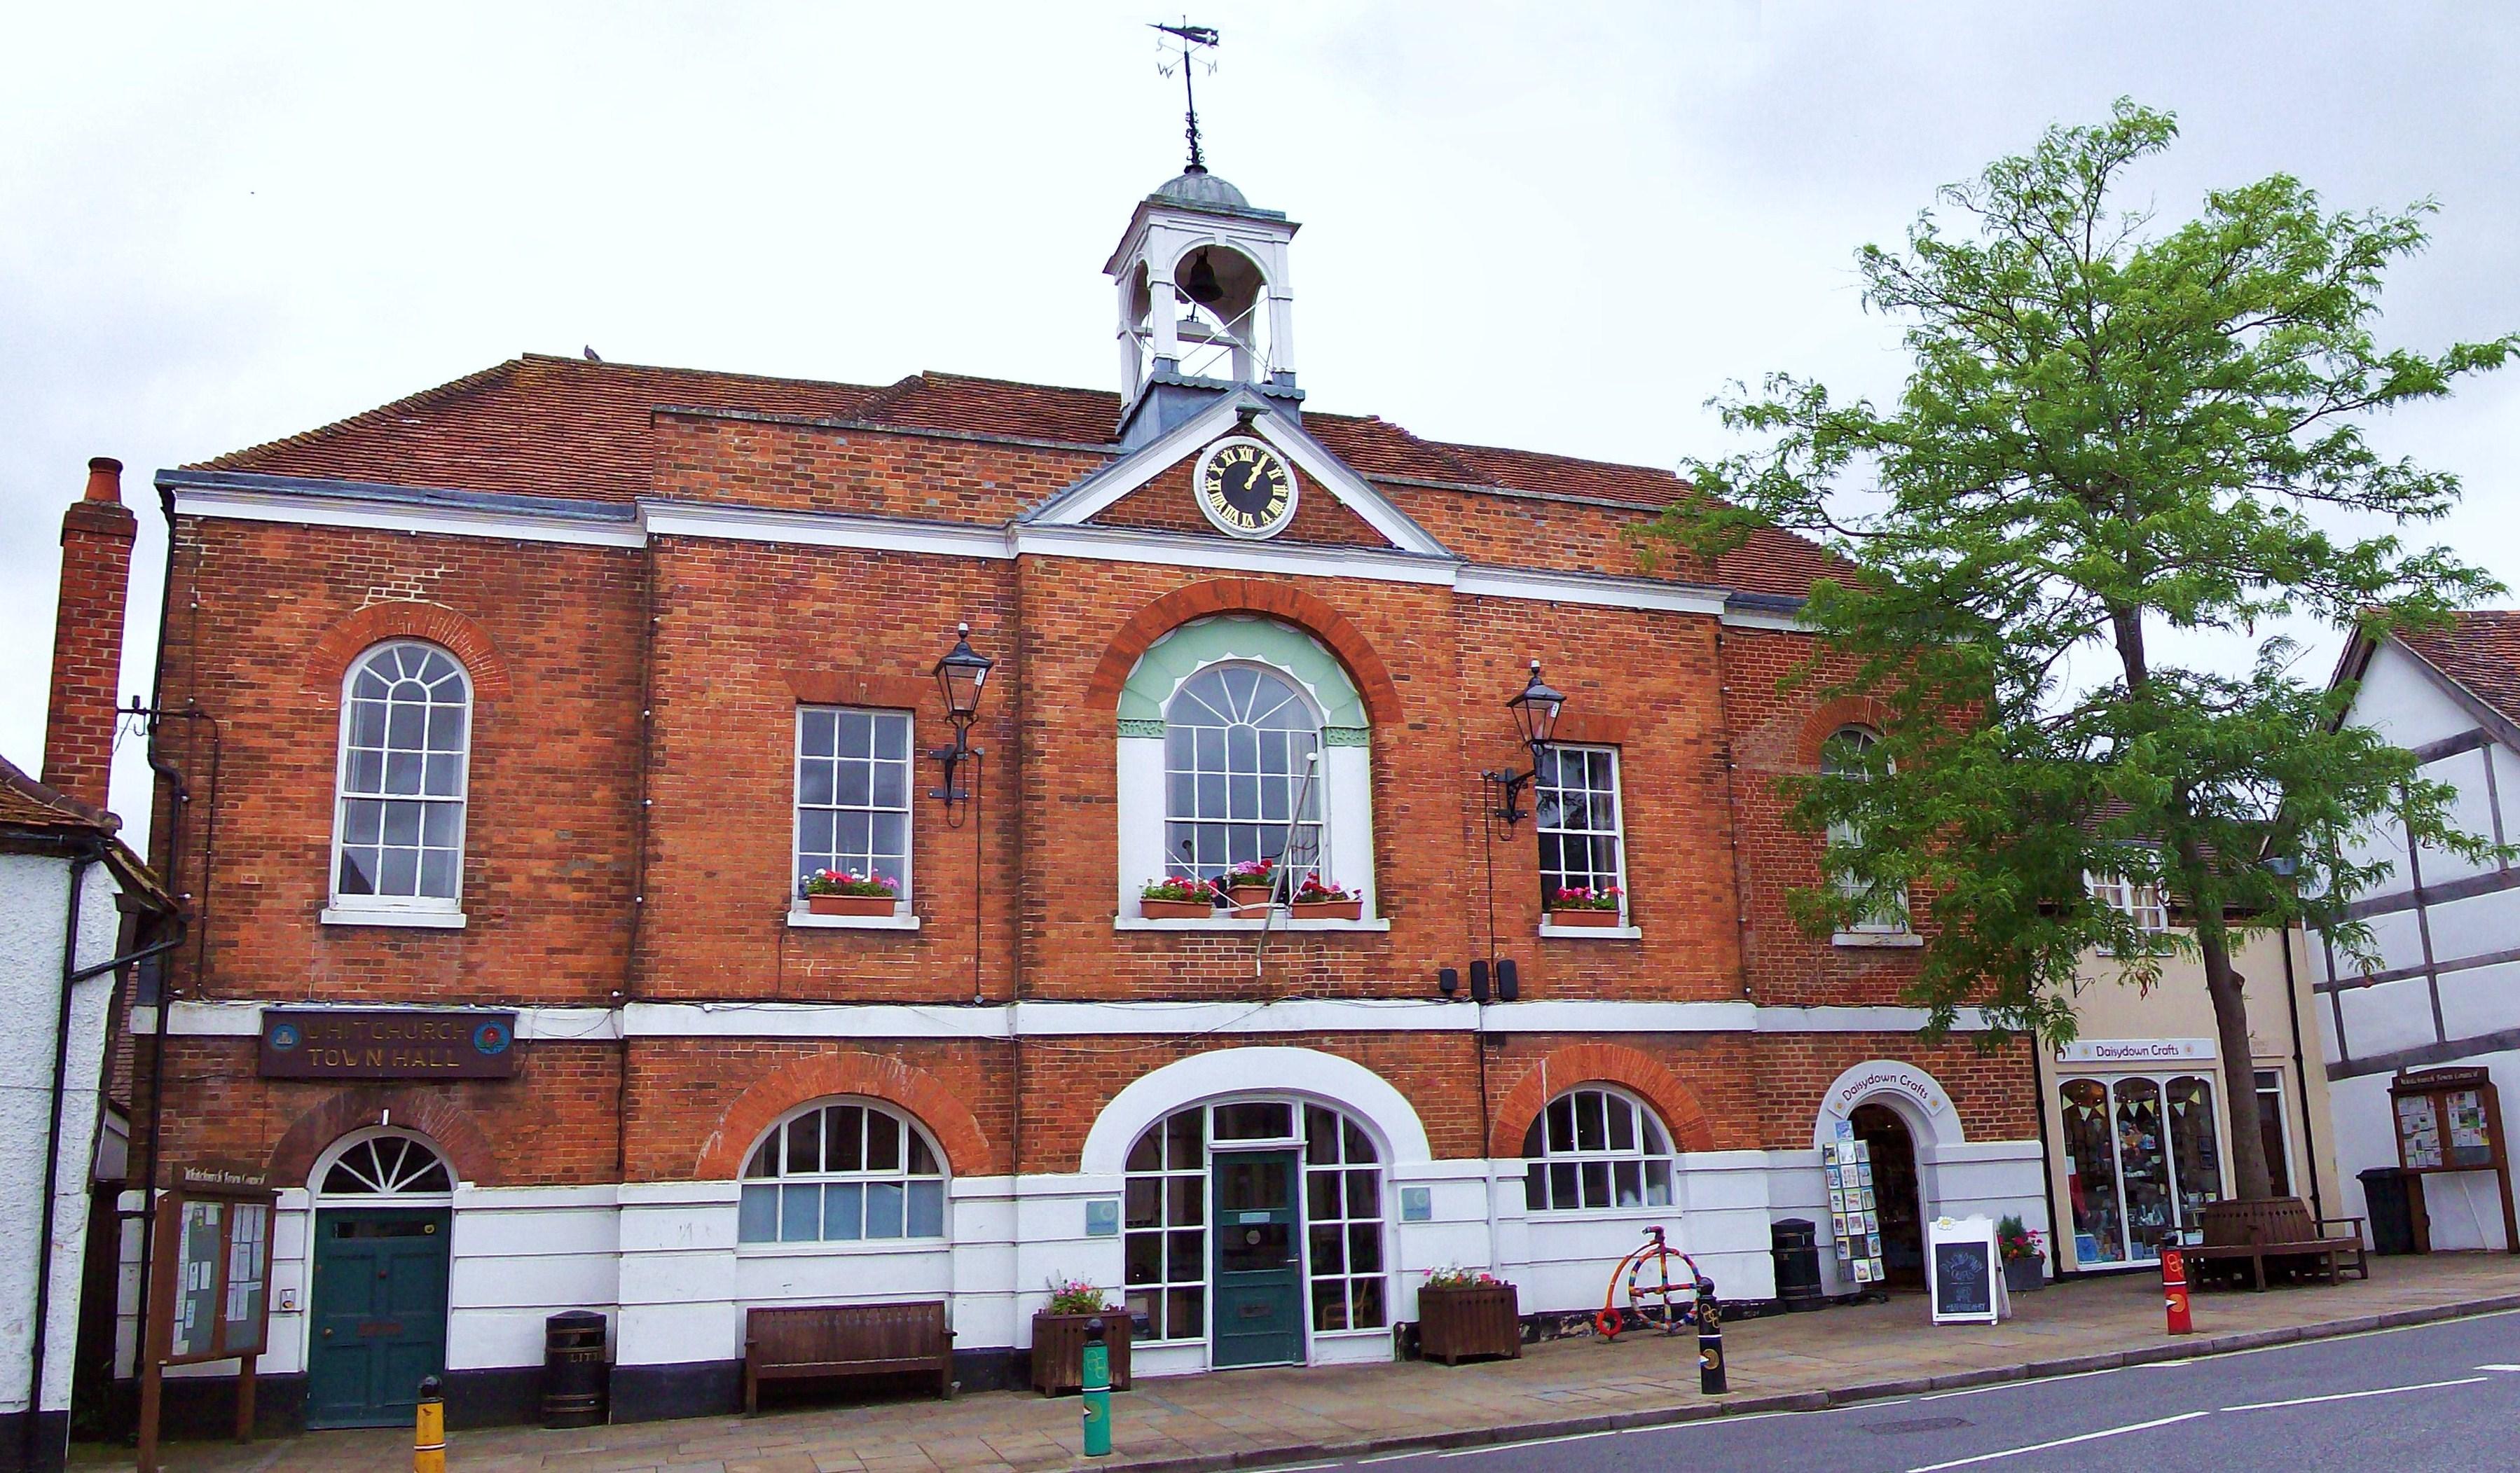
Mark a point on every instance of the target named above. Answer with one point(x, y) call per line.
point(438, 920)
point(1249, 927)
point(1878, 938)
point(899, 920)
point(1590, 932)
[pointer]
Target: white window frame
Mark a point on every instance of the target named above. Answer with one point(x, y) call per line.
point(2140, 903)
point(796, 805)
point(1617, 832)
point(1323, 863)
point(399, 910)
point(1845, 834)
point(2160, 1082)
point(911, 1133)
point(1609, 1156)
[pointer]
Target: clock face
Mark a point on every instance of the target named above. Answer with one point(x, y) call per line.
point(1245, 487)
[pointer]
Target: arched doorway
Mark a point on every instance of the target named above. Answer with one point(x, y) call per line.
point(383, 1215)
point(1892, 1148)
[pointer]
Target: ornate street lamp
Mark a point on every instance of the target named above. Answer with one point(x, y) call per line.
point(960, 675)
point(1535, 709)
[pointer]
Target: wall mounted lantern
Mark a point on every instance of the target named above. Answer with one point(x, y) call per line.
point(960, 675)
point(1535, 709)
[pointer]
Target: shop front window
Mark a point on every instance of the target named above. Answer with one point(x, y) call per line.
point(2142, 1158)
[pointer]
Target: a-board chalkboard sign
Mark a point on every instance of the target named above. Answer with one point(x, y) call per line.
point(1965, 1277)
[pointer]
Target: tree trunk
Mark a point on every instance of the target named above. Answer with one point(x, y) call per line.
point(2246, 1147)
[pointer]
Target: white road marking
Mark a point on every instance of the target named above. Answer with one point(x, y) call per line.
point(2349, 1396)
point(2498, 1367)
point(2062, 1441)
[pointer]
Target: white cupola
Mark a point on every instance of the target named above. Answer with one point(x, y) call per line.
point(1204, 303)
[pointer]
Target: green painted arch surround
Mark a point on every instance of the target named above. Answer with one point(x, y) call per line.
point(1202, 643)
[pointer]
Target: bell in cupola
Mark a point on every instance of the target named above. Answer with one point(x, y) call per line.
point(1202, 283)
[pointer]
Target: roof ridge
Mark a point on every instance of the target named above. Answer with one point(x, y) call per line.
point(601, 365)
point(872, 407)
point(427, 398)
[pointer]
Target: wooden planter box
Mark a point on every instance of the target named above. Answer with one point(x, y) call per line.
point(1455, 1323)
point(1601, 918)
point(1176, 909)
point(1059, 1350)
point(851, 905)
point(1328, 910)
point(2025, 1275)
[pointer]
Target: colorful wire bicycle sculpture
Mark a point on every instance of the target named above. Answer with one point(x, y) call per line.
point(1655, 1295)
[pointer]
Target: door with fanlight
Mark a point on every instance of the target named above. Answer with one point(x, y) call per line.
point(377, 1310)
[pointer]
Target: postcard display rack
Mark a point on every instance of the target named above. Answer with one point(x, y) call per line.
point(2451, 1120)
point(1852, 1214)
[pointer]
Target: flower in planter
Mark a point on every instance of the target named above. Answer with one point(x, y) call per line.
point(852, 882)
point(1586, 897)
point(1259, 872)
point(1074, 1296)
point(1314, 892)
point(2016, 1241)
point(1454, 1276)
point(1179, 890)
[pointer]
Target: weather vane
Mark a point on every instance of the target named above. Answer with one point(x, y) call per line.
point(1193, 40)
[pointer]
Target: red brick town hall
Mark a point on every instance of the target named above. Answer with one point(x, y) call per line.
point(627, 886)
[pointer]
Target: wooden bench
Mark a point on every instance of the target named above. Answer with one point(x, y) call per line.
point(2280, 1228)
point(845, 1340)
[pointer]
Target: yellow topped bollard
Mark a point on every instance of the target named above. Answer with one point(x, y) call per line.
point(429, 1429)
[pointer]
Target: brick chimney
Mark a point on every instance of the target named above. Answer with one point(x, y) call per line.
point(97, 533)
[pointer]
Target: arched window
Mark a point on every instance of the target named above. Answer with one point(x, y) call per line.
point(406, 730)
point(843, 1173)
point(1241, 781)
point(1340, 1243)
point(1848, 753)
point(385, 1165)
point(1595, 1149)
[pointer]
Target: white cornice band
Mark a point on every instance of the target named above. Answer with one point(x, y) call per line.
point(310, 502)
point(1053, 1020)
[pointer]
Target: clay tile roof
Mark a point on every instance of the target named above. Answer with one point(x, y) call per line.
point(532, 425)
point(26, 803)
point(2480, 650)
point(1375, 446)
point(996, 406)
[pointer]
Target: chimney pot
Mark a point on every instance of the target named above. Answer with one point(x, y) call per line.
point(105, 479)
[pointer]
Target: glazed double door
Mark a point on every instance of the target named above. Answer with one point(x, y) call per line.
point(1259, 1285)
point(380, 1315)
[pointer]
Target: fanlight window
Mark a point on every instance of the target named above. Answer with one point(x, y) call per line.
point(1595, 1149)
point(405, 733)
point(387, 1165)
point(1241, 778)
point(842, 1174)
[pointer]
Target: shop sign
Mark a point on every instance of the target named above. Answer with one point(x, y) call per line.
point(217, 1177)
point(2134, 1051)
point(301, 1043)
point(1884, 1076)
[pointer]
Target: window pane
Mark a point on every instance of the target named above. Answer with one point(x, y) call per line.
point(922, 1161)
point(1596, 1183)
point(358, 871)
point(1255, 1121)
point(805, 1142)
point(1185, 1139)
point(1330, 1304)
point(1185, 1313)
point(857, 733)
point(1628, 1184)
point(1367, 1297)
point(1561, 1124)
point(884, 1142)
point(400, 873)
point(845, 1136)
point(1535, 1187)
point(1359, 1146)
point(1322, 1195)
point(1623, 1123)
point(1148, 1154)
point(1364, 1194)
point(817, 733)
point(1590, 1135)
point(927, 1209)
point(1144, 1257)
point(1143, 1206)
point(1185, 1257)
point(1329, 1252)
point(1564, 1193)
point(800, 1213)
point(437, 873)
point(892, 737)
point(765, 1157)
point(814, 783)
point(757, 1216)
point(844, 1212)
point(1657, 1183)
point(883, 1209)
point(1321, 1136)
point(1186, 1200)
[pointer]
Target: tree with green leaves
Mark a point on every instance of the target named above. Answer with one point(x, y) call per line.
point(2111, 432)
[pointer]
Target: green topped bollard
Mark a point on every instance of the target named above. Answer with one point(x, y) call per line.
point(1097, 1391)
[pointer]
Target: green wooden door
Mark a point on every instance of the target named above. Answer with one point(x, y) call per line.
point(380, 1311)
point(1259, 1317)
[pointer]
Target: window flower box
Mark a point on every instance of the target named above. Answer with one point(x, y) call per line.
point(847, 892)
point(1583, 907)
point(1464, 1314)
point(1251, 884)
point(1059, 1339)
point(1176, 900)
point(1317, 901)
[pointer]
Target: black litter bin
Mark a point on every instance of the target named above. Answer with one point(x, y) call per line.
point(2387, 1197)
point(573, 1379)
point(1794, 1243)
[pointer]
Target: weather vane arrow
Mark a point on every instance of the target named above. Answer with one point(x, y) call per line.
point(1193, 39)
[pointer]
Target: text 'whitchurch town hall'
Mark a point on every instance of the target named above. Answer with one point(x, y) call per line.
point(542, 698)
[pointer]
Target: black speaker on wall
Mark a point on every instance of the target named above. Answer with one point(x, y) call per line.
point(1448, 980)
point(1509, 981)
point(1478, 981)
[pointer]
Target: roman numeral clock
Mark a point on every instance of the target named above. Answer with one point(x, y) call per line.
point(1245, 487)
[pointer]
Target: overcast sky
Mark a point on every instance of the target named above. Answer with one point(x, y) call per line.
point(1558, 228)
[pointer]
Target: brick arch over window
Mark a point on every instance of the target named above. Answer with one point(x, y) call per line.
point(377, 623)
point(1836, 716)
point(459, 1138)
point(925, 1097)
point(1278, 601)
point(1579, 1064)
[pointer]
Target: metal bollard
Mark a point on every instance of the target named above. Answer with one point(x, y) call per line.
point(1710, 1340)
point(429, 1429)
point(1097, 1391)
point(2173, 1290)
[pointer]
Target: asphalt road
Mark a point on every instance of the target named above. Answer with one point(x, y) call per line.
point(2440, 1397)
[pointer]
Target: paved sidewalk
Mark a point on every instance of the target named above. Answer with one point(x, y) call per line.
point(1260, 1416)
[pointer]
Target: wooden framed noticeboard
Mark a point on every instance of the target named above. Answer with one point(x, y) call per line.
point(2451, 1119)
point(210, 1290)
point(1964, 1272)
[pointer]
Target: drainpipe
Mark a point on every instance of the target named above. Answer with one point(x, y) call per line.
point(31, 1431)
point(2301, 1073)
point(2047, 1150)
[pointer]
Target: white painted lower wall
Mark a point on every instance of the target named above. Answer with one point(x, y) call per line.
point(2463, 1207)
